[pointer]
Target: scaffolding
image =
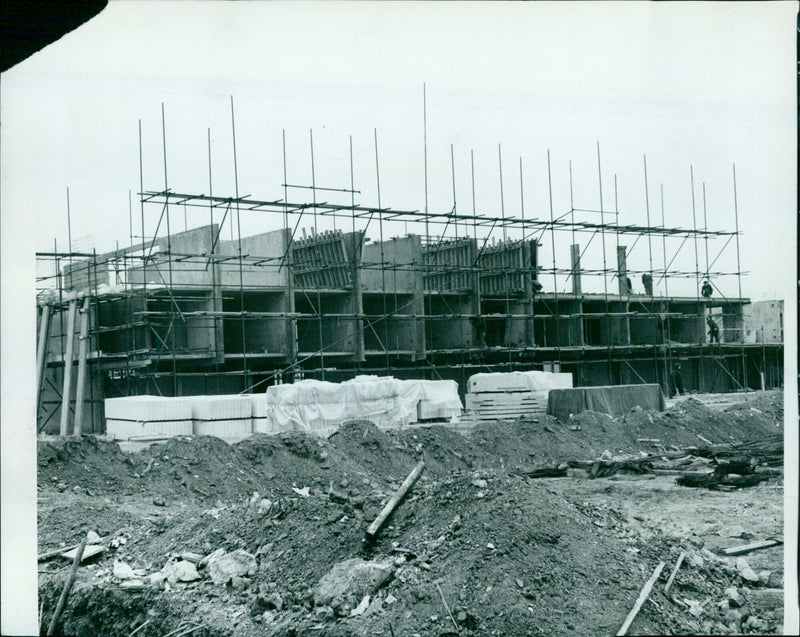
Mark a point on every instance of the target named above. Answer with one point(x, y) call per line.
point(182, 313)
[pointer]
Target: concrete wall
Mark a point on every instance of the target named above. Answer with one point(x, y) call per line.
point(185, 271)
point(763, 322)
point(268, 247)
point(185, 334)
point(691, 326)
point(337, 332)
point(564, 330)
point(262, 335)
point(444, 331)
point(604, 329)
point(403, 259)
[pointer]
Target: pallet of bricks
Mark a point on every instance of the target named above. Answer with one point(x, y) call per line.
point(511, 395)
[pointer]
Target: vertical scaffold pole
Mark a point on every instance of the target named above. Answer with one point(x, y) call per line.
point(739, 277)
point(67, 389)
point(242, 318)
point(169, 253)
point(383, 257)
point(605, 264)
point(41, 353)
point(79, 390)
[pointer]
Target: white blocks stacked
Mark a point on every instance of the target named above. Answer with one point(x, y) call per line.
point(229, 415)
point(262, 418)
point(141, 417)
point(510, 395)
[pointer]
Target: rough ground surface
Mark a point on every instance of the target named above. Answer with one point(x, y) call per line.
point(512, 556)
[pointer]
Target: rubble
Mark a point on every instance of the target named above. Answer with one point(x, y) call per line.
point(509, 562)
point(351, 579)
point(222, 567)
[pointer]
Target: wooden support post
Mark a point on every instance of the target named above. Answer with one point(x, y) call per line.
point(41, 354)
point(67, 389)
point(62, 601)
point(373, 529)
point(645, 593)
point(82, 343)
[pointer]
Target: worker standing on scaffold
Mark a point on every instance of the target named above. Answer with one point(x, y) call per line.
point(707, 290)
point(713, 330)
point(647, 282)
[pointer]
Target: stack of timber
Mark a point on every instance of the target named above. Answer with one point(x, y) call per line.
point(719, 467)
point(512, 395)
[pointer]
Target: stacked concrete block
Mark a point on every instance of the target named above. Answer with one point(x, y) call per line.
point(511, 395)
point(141, 417)
point(263, 423)
point(229, 415)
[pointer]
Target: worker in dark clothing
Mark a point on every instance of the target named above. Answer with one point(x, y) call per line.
point(479, 323)
point(647, 282)
point(677, 379)
point(713, 330)
point(629, 284)
point(707, 290)
point(537, 287)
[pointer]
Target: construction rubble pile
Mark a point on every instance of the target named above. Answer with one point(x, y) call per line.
point(525, 527)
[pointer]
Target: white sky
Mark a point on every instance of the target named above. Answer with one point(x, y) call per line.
point(706, 85)
point(700, 84)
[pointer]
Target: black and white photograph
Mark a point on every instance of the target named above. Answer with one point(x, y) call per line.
point(401, 319)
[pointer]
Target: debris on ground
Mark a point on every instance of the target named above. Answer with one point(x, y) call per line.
point(265, 537)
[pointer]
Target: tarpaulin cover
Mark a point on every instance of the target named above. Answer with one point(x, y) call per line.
point(315, 405)
point(517, 381)
point(613, 400)
point(437, 399)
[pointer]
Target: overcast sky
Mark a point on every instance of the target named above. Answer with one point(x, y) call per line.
point(700, 85)
point(704, 85)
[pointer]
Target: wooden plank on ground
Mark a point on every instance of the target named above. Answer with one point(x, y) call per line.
point(755, 546)
point(391, 505)
point(643, 595)
point(681, 557)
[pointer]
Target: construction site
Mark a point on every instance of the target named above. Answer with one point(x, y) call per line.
point(364, 420)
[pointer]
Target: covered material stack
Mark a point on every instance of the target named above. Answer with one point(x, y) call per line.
point(613, 400)
point(438, 399)
point(507, 396)
point(319, 407)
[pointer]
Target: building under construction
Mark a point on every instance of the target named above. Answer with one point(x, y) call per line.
point(192, 313)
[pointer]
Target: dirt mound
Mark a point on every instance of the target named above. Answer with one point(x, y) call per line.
point(511, 555)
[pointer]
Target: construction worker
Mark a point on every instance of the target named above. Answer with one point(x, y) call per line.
point(479, 323)
point(707, 290)
point(647, 282)
point(677, 379)
point(713, 330)
point(629, 284)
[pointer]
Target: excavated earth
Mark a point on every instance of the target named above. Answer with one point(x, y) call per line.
point(508, 555)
